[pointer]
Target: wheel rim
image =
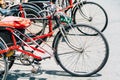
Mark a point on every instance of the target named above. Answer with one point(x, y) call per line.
point(88, 61)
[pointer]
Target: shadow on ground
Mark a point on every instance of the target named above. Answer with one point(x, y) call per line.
point(16, 74)
point(63, 73)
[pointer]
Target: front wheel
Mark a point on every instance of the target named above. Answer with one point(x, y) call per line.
point(81, 50)
point(90, 13)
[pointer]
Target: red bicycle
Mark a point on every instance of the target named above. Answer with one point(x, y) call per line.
point(79, 49)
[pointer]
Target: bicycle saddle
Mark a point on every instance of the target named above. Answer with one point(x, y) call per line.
point(15, 22)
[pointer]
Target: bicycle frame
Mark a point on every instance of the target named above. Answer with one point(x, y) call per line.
point(16, 47)
point(80, 11)
point(78, 3)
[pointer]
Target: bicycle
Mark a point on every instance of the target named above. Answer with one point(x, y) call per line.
point(82, 40)
point(87, 12)
point(81, 11)
point(40, 29)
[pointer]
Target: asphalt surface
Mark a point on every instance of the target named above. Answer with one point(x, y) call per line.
point(51, 71)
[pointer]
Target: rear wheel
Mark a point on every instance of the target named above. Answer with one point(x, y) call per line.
point(81, 52)
point(36, 28)
point(3, 63)
point(5, 35)
point(62, 3)
point(3, 67)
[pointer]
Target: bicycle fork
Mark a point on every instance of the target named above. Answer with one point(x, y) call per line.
point(85, 16)
point(64, 34)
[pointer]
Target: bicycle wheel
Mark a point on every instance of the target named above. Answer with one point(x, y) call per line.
point(3, 68)
point(90, 13)
point(81, 54)
point(3, 64)
point(5, 35)
point(37, 26)
point(62, 3)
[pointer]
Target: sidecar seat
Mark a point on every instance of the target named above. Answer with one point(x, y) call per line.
point(15, 22)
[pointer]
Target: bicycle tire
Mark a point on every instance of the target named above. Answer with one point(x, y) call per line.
point(3, 63)
point(37, 28)
point(30, 12)
point(96, 13)
point(5, 35)
point(81, 58)
point(62, 3)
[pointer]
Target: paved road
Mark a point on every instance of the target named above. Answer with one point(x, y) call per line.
point(51, 71)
